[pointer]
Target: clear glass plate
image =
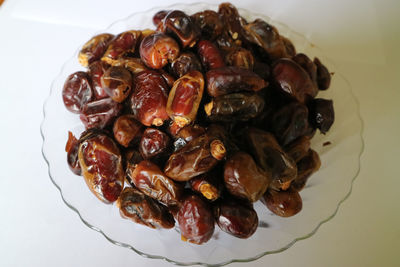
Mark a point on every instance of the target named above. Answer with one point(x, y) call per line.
point(324, 193)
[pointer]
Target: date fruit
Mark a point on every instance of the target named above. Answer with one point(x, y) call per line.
point(283, 203)
point(77, 91)
point(306, 167)
point(127, 130)
point(299, 148)
point(122, 44)
point(209, 23)
point(210, 55)
point(322, 114)
point(323, 75)
point(208, 184)
point(71, 148)
point(117, 83)
point(240, 57)
point(153, 142)
point(94, 49)
point(185, 63)
point(100, 113)
point(96, 71)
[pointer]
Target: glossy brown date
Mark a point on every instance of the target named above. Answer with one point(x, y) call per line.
point(159, 16)
point(100, 113)
point(290, 48)
point(153, 142)
point(96, 71)
point(139, 208)
point(210, 56)
point(196, 221)
point(240, 57)
point(77, 91)
point(323, 75)
point(168, 78)
point(283, 203)
point(209, 23)
point(184, 98)
point(149, 179)
point(227, 80)
point(186, 62)
point(71, 148)
point(117, 83)
point(134, 65)
point(244, 178)
point(208, 184)
point(322, 114)
point(149, 98)
point(305, 62)
point(234, 107)
point(231, 20)
point(94, 49)
point(299, 148)
point(157, 49)
point(293, 80)
point(180, 25)
point(127, 130)
point(186, 134)
point(122, 44)
point(101, 164)
point(308, 165)
point(237, 218)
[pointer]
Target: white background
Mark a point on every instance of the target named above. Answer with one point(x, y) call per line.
point(36, 37)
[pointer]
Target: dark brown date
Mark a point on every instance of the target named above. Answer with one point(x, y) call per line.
point(283, 203)
point(159, 16)
point(227, 80)
point(208, 184)
point(305, 62)
point(209, 23)
point(290, 122)
point(290, 48)
point(96, 71)
point(231, 20)
point(134, 65)
point(210, 56)
point(262, 70)
point(237, 218)
point(181, 26)
point(185, 63)
point(322, 114)
point(235, 107)
point(196, 221)
point(306, 167)
point(240, 57)
point(94, 49)
point(298, 148)
point(101, 164)
point(197, 157)
point(127, 130)
point(266, 36)
point(167, 78)
point(157, 49)
point(153, 142)
point(293, 80)
point(149, 98)
point(71, 148)
point(186, 134)
point(244, 178)
point(323, 75)
point(271, 158)
point(117, 83)
point(184, 98)
point(139, 208)
point(77, 91)
point(121, 45)
point(149, 179)
point(100, 113)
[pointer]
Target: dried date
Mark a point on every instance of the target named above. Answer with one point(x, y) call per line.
point(283, 203)
point(100, 113)
point(122, 44)
point(210, 56)
point(153, 142)
point(77, 91)
point(94, 49)
point(127, 130)
point(117, 83)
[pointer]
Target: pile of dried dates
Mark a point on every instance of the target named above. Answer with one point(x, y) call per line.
point(195, 121)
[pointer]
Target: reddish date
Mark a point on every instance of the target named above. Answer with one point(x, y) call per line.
point(283, 203)
point(185, 63)
point(96, 71)
point(208, 184)
point(210, 55)
point(122, 44)
point(100, 113)
point(186, 134)
point(117, 83)
point(71, 148)
point(134, 65)
point(309, 164)
point(159, 16)
point(126, 130)
point(77, 91)
point(94, 49)
point(196, 221)
point(153, 142)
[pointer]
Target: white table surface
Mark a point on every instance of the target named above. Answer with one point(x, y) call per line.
point(36, 37)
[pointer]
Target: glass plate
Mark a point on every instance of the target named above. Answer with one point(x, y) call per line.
point(324, 193)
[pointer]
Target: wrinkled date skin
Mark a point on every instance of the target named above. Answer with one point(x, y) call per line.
point(117, 83)
point(96, 71)
point(208, 184)
point(181, 26)
point(134, 65)
point(149, 99)
point(290, 122)
point(322, 114)
point(94, 49)
point(159, 16)
point(235, 107)
point(306, 167)
point(185, 63)
point(153, 142)
point(186, 135)
point(71, 148)
point(139, 208)
point(293, 80)
point(196, 221)
point(210, 56)
point(127, 130)
point(77, 91)
point(244, 178)
point(237, 218)
point(121, 45)
point(209, 23)
point(283, 203)
point(299, 148)
point(305, 62)
point(157, 49)
point(184, 98)
point(149, 179)
point(100, 113)
point(323, 75)
point(231, 20)
point(271, 157)
point(266, 36)
point(240, 57)
point(227, 80)
point(197, 157)
point(101, 163)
